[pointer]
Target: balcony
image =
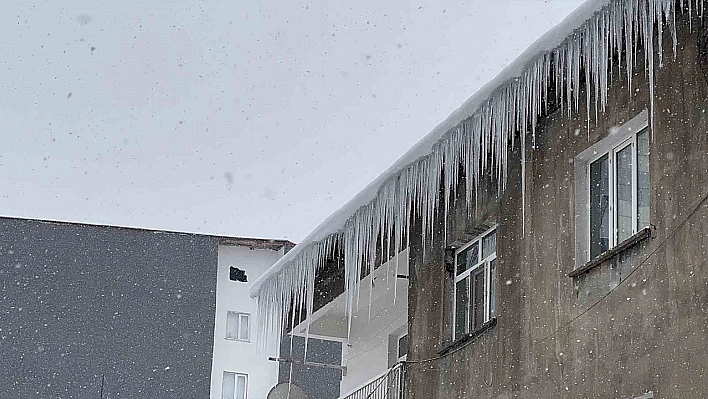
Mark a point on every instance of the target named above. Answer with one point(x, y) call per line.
point(390, 385)
point(372, 337)
point(383, 293)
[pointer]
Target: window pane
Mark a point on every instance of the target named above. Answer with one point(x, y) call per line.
point(227, 385)
point(468, 258)
point(492, 288)
point(240, 387)
point(624, 193)
point(599, 207)
point(461, 307)
point(403, 346)
point(478, 292)
point(243, 327)
point(643, 179)
point(231, 325)
point(489, 244)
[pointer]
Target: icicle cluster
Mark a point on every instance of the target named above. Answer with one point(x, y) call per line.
point(615, 31)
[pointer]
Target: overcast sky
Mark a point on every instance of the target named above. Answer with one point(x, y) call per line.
point(236, 117)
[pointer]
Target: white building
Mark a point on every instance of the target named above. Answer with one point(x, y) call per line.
point(239, 370)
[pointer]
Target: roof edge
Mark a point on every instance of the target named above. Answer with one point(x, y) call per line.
point(253, 242)
point(335, 222)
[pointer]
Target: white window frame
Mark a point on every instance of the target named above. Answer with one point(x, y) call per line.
point(240, 316)
point(394, 338)
point(236, 376)
point(483, 263)
point(616, 141)
point(611, 159)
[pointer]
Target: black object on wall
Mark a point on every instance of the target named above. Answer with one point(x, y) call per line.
point(236, 274)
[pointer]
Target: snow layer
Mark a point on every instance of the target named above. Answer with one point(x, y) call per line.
point(479, 130)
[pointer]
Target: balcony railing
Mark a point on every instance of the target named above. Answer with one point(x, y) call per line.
point(389, 386)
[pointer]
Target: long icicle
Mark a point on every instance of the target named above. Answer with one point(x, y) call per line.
point(479, 143)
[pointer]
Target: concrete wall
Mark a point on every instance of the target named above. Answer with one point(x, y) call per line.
point(238, 356)
point(79, 301)
point(562, 337)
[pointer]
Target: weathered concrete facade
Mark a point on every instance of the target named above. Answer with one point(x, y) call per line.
point(638, 322)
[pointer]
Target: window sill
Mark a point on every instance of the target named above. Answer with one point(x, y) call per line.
point(469, 337)
point(237, 340)
point(638, 237)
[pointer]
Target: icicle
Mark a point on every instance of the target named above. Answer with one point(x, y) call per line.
point(371, 292)
point(478, 145)
point(523, 186)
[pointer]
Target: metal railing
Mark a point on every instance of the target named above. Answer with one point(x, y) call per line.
point(389, 386)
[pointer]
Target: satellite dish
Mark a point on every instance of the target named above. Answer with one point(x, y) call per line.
point(280, 391)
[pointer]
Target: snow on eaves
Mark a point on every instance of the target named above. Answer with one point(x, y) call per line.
point(336, 221)
point(576, 56)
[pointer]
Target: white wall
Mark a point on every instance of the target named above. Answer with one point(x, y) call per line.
point(366, 352)
point(236, 356)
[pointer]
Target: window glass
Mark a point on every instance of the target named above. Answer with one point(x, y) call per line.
point(489, 244)
point(643, 179)
point(243, 328)
point(228, 385)
point(624, 192)
point(403, 346)
point(478, 292)
point(599, 206)
point(468, 258)
point(492, 288)
point(231, 325)
point(461, 307)
point(240, 386)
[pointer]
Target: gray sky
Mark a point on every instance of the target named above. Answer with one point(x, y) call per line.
point(249, 118)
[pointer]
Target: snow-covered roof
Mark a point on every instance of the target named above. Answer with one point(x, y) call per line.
point(574, 53)
point(337, 220)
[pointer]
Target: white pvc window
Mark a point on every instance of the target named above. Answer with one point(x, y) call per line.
point(234, 385)
point(475, 282)
point(402, 347)
point(238, 326)
point(618, 192)
point(612, 189)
